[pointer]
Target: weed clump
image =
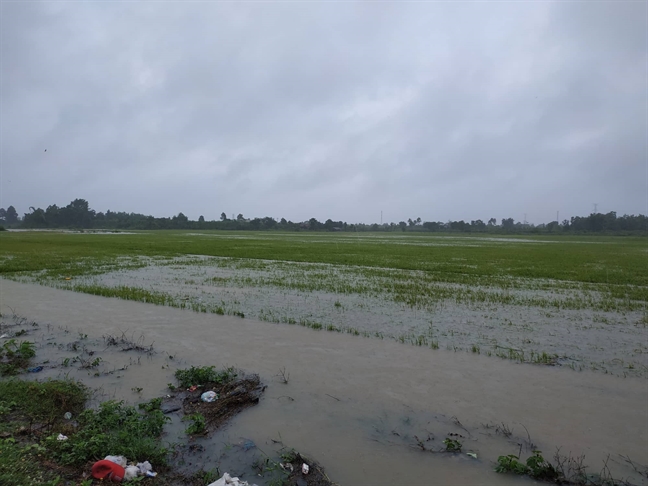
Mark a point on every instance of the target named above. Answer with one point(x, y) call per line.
point(40, 405)
point(116, 429)
point(15, 356)
point(235, 391)
point(204, 375)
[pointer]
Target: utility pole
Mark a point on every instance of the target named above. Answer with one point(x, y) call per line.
point(525, 218)
point(595, 207)
point(381, 218)
point(558, 217)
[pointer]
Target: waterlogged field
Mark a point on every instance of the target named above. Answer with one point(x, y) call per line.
point(578, 302)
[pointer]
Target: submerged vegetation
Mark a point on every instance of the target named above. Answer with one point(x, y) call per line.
point(532, 299)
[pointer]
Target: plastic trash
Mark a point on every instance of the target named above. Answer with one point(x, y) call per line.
point(62, 437)
point(287, 467)
point(144, 467)
point(209, 396)
point(471, 454)
point(4, 336)
point(110, 470)
point(35, 369)
point(228, 480)
point(121, 460)
point(131, 473)
point(247, 445)
point(192, 388)
point(67, 415)
point(305, 468)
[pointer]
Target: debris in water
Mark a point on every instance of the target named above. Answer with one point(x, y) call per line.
point(228, 480)
point(209, 396)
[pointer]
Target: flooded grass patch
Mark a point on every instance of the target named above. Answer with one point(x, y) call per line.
point(553, 302)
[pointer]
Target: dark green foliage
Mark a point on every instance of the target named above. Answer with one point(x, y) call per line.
point(19, 465)
point(203, 375)
point(15, 356)
point(452, 445)
point(198, 424)
point(536, 466)
point(42, 403)
point(114, 429)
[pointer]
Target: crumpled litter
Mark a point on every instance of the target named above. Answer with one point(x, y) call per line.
point(121, 460)
point(4, 336)
point(62, 437)
point(35, 369)
point(140, 469)
point(146, 469)
point(209, 396)
point(471, 454)
point(131, 472)
point(305, 468)
point(228, 480)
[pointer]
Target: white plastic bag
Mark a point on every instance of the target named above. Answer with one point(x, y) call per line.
point(131, 472)
point(121, 460)
point(228, 480)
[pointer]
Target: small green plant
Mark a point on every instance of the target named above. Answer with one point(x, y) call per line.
point(198, 424)
point(536, 466)
point(452, 445)
point(15, 356)
point(203, 375)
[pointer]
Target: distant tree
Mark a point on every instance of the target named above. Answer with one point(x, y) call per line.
point(492, 222)
point(240, 217)
point(508, 223)
point(11, 216)
point(35, 218)
point(402, 225)
point(283, 221)
point(313, 224)
point(223, 217)
point(3, 214)
point(179, 221)
point(201, 219)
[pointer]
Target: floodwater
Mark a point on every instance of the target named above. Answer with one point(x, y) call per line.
point(528, 316)
point(355, 404)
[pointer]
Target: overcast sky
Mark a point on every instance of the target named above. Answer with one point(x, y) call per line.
point(445, 110)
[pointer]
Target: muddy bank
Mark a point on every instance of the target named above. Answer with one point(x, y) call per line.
point(345, 395)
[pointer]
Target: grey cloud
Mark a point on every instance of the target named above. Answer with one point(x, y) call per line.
point(444, 111)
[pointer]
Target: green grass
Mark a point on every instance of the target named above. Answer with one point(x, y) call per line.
point(202, 375)
point(592, 259)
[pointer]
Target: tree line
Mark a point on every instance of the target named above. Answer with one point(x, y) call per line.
point(79, 215)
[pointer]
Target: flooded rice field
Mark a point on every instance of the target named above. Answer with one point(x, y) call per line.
point(571, 324)
point(371, 411)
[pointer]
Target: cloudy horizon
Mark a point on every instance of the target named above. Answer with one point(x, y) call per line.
point(443, 111)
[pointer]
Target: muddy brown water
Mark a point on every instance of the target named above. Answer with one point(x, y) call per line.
point(356, 403)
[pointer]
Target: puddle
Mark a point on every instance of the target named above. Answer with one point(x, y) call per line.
point(361, 406)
